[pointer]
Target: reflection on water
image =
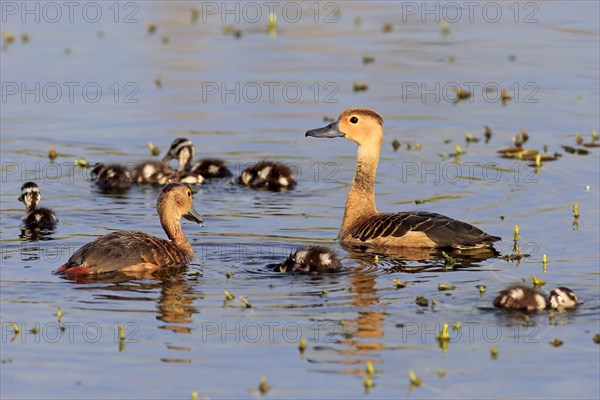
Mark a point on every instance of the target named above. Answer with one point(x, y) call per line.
point(181, 334)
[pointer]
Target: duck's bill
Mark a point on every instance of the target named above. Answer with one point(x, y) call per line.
point(167, 158)
point(330, 131)
point(193, 216)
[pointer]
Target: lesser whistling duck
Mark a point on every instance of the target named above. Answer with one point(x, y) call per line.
point(268, 175)
point(135, 251)
point(183, 150)
point(363, 224)
point(311, 260)
point(111, 177)
point(530, 300)
point(36, 218)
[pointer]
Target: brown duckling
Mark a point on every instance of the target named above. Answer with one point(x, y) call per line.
point(363, 224)
point(158, 173)
point(209, 168)
point(111, 177)
point(530, 300)
point(312, 260)
point(135, 251)
point(36, 218)
point(268, 175)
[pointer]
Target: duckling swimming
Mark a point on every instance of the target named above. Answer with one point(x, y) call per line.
point(158, 173)
point(111, 177)
point(36, 218)
point(363, 224)
point(530, 300)
point(268, 175)
point(312, 260)
point(183, 150)
point(135, 251)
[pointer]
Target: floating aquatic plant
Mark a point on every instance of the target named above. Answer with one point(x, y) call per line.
point(487, 134)
point(370, 369)
point(494, 353)
point(442, 287)
point(228, 296)
point(15, 327)
point(155, 150)
point(596, 338)
point(368, 59)
point(422, 301)
point(82, 163)
point(576, 210)
point(444, 27)
point(194, 395)
point(441, 372)
point(59, 314)
point(272, 24)
point(263, 386)
point(414, 379)
point(246, 302)
point(396, 144)
point(537, 282)
point(151, 27)
point(302, 345)
point(443, 335)
point(470, 138)
point(228, 274)
point(544, 261)
point(359, 86)
point(52, 154)
point(556, 342)
point(481, 289)
point(387, 27)
point(398, 283)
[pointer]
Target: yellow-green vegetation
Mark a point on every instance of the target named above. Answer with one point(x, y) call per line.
point(494, 353)
point(422, 301)
point(153, 149)
point(263, 386)
point(398, 283)
point(82, 163)
point(414, 379)
point(302, 345)
point(228, 296)
point(442, 287)
point(481, 289)
point(537, 282)
point(556, 342)
point(52, 154)
point(246, 302)
point(370, 369)
point(544, 261)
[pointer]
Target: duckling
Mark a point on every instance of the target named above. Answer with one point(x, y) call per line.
point(157, 173)
point(269, 175)
point(111, 177)
point(530, 300)
point(36, 218)
point(312, 260)
point(183, 150)
point(135, 251)
point(363, 224)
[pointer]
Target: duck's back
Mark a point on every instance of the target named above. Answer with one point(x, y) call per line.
point(416, 229)
point(126, 250)
point(211, 168)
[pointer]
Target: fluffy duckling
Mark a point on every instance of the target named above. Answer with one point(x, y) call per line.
point(312, 260)
point(183, 150)
point(268, 175)
point(158, 173)
point(135, 251)
point(36, 218)
point(363, 224)
point(111, 177)
point(530, 300)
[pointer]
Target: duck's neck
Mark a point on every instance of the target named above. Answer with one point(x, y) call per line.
point(185, 160)
point(360, 202)
point(172, 228)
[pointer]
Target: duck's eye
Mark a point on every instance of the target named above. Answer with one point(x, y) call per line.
point(354, 120)
point(189, 194)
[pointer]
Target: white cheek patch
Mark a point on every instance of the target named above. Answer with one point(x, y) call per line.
point(246, 176)
point(111, 173)
point(264, 173)
point(517, 294)
point(283, 181)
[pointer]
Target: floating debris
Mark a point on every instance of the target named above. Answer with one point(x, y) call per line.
point(8, 37)
point(441, 372)
point(544, 261)
point(414, 379)
point(155, 150)
point(228, 296)
point(505, 96)
point(502, 217)
point(158, 82)
point(470, 138)
point(246, 302)
point(370, 369)
point(35, 330)
point(263, 386)
point(272, 24)
point(556, 342)
point(360, 87)
point(368, 382)
point(461, 94)
point(442, 287)
point(487, 134)
point(457, 326)
point(481, 289)
point(579, 139)
point(151, 27)
point(596, 338)
point(165, 40)
point(25, 38)
point(52, 154)
point(443, 335)
point(422, 301)
point(302, 345)
point(396, 144)
point(572, 150)
point(459, 149)
point(368, 60)
point(228, 274)
point(82, 163)
point(387, 27)
point(195, 15)
point(398, 283)
point(537, 282)
point(494, 353)
point(444, 27)
point(15, 327)
point(194, 395)
point(59, 314)
point(68, 50)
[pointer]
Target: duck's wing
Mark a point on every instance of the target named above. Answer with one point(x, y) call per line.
point(211, 168)
point(121, 250)
point(419, 229)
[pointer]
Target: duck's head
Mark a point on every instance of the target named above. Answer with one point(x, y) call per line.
point(361, 125)
point(98, 167)
point(30, 195)
point(562, 297)
point(182, 150)
point(175, 201)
